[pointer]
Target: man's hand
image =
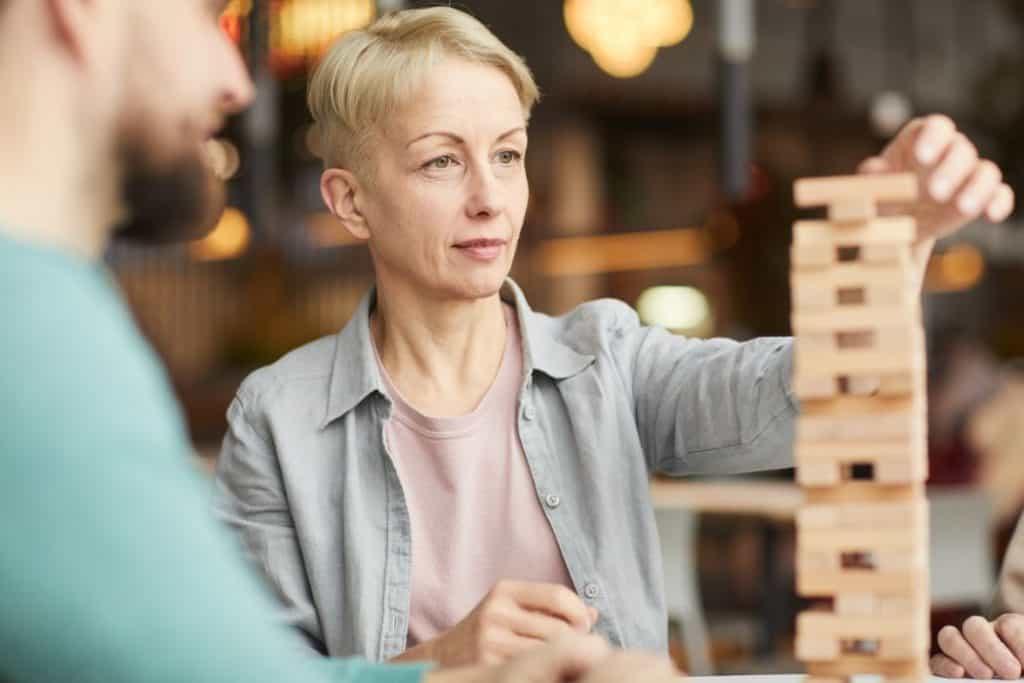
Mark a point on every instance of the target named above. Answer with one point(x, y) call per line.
point(512, 618)
point(982, 649)
point(956, 185)
point(584, 659)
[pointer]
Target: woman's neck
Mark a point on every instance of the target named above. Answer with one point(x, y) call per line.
point(441, 355)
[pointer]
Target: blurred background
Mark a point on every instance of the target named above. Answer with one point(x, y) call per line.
point(661, 162)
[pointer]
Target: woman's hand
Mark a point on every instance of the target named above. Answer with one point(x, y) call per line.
point(512, 618)
point(981, 649)
point(956, 185)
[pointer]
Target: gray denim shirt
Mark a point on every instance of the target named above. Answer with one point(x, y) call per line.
point(305, 477)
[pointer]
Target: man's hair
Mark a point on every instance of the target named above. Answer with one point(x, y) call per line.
point(368, 74)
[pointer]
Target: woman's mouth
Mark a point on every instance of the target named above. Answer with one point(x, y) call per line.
point(485, 250)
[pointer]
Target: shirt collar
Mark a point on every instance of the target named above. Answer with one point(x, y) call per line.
point(355, 375)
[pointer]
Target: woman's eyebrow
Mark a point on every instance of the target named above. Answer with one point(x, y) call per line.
point(458, 139)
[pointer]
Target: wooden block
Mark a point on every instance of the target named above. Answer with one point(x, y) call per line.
point(853, 284)
point(885, 339)
point(828, 474)
point(855, 274)
point(846, 362)
point(812, 256)
point(834, 466)
point(864, 492)
point(866, 562)
point(813, 582)
point(883, 252)
point(810, 387)
point(856, 566)
point(882, 427)
point(815, 648)
point(818, 256)
point(858, 604)
point(878, 514)
point(892, 231)
point(822, 256)
point(821, 386)
point(903, 648)
point(903, 319)
point(853, 210)
point(869, 604)
point(853, 406)
point(881, 543)
point(901, 383)
point(811, 649)
point(852, 665)
point(888, 187)
point(865, 386)
point(821, 623)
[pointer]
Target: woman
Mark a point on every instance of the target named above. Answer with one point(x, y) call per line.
point(453, 476)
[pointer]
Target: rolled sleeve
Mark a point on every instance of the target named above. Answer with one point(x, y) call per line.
point(709, 406)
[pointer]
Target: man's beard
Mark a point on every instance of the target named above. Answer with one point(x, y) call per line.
point(167, 202)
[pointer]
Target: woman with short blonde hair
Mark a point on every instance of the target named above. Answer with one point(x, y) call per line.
point(454, 476)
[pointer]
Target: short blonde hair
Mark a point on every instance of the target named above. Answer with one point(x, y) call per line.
point(369, 73)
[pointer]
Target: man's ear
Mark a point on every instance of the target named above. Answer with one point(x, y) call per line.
point(342, 194)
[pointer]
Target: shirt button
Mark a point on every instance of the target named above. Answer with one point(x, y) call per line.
point(590, 590)
point(553, 501)
point(529, 413)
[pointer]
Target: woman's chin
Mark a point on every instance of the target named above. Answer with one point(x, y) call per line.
point(479, 285)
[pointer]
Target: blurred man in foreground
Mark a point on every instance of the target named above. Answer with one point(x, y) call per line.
point(111, 569)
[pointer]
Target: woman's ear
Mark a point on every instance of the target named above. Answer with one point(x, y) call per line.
point(341, 193)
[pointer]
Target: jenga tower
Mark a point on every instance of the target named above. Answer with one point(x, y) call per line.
point(862, 534)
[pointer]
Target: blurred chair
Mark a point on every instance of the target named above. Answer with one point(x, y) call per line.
point(963, 572)
point(677, 531)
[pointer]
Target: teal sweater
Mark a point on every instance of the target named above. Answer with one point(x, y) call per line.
point(111, 565)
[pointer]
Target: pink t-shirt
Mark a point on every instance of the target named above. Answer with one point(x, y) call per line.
point(473, 508)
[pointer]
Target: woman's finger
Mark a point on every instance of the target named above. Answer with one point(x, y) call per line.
point(956, 167)
point(982, 638)
point(933, 136)
point(941, 665)
point(1001, 205)
point(956, 647)
point(980, 189)
point(540, 625)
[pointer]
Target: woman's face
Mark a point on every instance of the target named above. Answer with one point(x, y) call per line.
point(448, 193)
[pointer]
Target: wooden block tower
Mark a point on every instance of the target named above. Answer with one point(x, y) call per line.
point(862, 534)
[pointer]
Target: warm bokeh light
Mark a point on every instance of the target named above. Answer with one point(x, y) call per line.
point(680, 309)
point(223, 158)
point(622, 58)
point(622, 252)
point(300, 30)
point(228, 240)
point(959, 268)
point(623, 36)
point(231, 18)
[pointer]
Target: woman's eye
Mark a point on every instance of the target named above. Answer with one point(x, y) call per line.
point(441, 163)
point(509, 156)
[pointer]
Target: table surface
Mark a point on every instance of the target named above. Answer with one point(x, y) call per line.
point(794, 678)
point(771, 499)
